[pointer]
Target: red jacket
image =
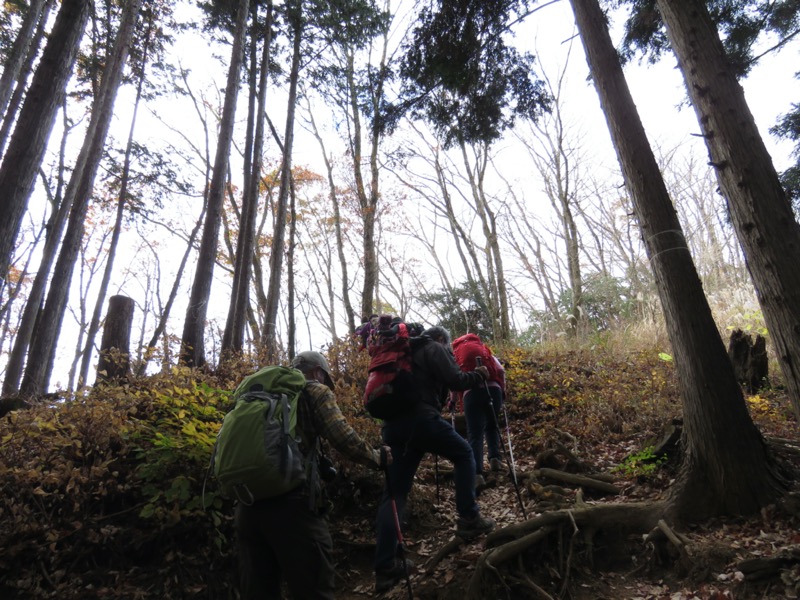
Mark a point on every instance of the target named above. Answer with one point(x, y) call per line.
point(468, 347)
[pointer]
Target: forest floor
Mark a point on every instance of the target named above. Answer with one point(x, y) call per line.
point(553, 409)
point(101, 498)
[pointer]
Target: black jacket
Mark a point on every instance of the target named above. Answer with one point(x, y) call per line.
point(435, 374)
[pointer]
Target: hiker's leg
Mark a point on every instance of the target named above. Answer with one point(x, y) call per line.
point(440, 438)
point(493, 422)
point(405, 460)
point(259, 570)
point(307, 556)
point(300, 544)
point(475, 415)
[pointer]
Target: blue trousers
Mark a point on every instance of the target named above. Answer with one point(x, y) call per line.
point(410, 438)
point(478, 408)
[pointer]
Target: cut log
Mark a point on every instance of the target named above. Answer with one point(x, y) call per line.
point(114, 364)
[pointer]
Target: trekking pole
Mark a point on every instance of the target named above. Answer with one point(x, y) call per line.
point(399, 531)
point(509, 456)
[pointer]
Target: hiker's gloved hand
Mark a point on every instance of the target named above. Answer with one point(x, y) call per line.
point(386, 456)
point(483, 371)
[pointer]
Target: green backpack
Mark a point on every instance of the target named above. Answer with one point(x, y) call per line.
point(257, 454)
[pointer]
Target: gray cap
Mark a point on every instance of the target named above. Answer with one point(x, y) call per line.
point(308, 360)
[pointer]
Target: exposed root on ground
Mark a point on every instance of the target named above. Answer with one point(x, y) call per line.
point(557, 538)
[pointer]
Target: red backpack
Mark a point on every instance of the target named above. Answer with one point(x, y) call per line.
point(389, 391)
point(469, 346)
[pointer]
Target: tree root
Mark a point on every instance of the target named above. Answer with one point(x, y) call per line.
point(573, 530)
point(586, 481)
point(454, 544)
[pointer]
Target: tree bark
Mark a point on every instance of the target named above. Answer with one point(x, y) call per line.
point(18, 94)
point(114, 364)
point(233, 337)
point(337, 223)
point(27, 146)
point(759, 208)
point(33, 306)
point(728, 468)
point(20, 49)
point(43, 343)
point(279, 237)
point(94, 324)
point(192, 340)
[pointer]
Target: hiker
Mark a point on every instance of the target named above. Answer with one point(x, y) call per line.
point(483, 403)
point(365, 330)
point(285, 537)
point(423, 430)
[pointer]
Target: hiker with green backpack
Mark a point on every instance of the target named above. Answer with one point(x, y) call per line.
point(281, 530)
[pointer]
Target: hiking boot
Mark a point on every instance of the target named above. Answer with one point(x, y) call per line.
point(480, 482)
point(470, 528)
point(385, 579)
point(496, 465)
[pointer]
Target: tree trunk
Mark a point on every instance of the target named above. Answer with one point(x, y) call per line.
point(192, 340)
point(233, 338)
point(114, 364)
point(20, 49)
point(337, 223)
point(94, 324)
point(290, 258)
point(14, 102)
point(78, 193)
point(33, 305)
point(727, 468)
point(759, 208)
point(27, 146)
point(495, 293)
point(279, 237)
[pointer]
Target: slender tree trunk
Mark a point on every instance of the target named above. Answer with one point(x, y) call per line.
point(290, 301)
point(192, 341)
point(727, 468)
point(94, 324)
point(233, 338)
point(759, 208)
point(30, 312)
point(337, 223)
point(496, 291)
point(18, 94)
point(164, 317)
point(43, 343)
point(20, 49)
point(279, 236)
point(27, 146)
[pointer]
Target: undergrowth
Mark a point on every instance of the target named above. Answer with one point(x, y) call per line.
point(103, 495)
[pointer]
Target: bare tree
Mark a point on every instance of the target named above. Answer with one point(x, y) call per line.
point(192, 340)
point(35, 122)
point(270, 327)
point(557, 159)
point(44, 341)
point(23, 47)
point(233, 337)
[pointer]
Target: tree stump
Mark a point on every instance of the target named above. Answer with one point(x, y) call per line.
point(749, 360)
point(114, 363)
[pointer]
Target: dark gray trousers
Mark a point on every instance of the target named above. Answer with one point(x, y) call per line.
point(282, 539)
